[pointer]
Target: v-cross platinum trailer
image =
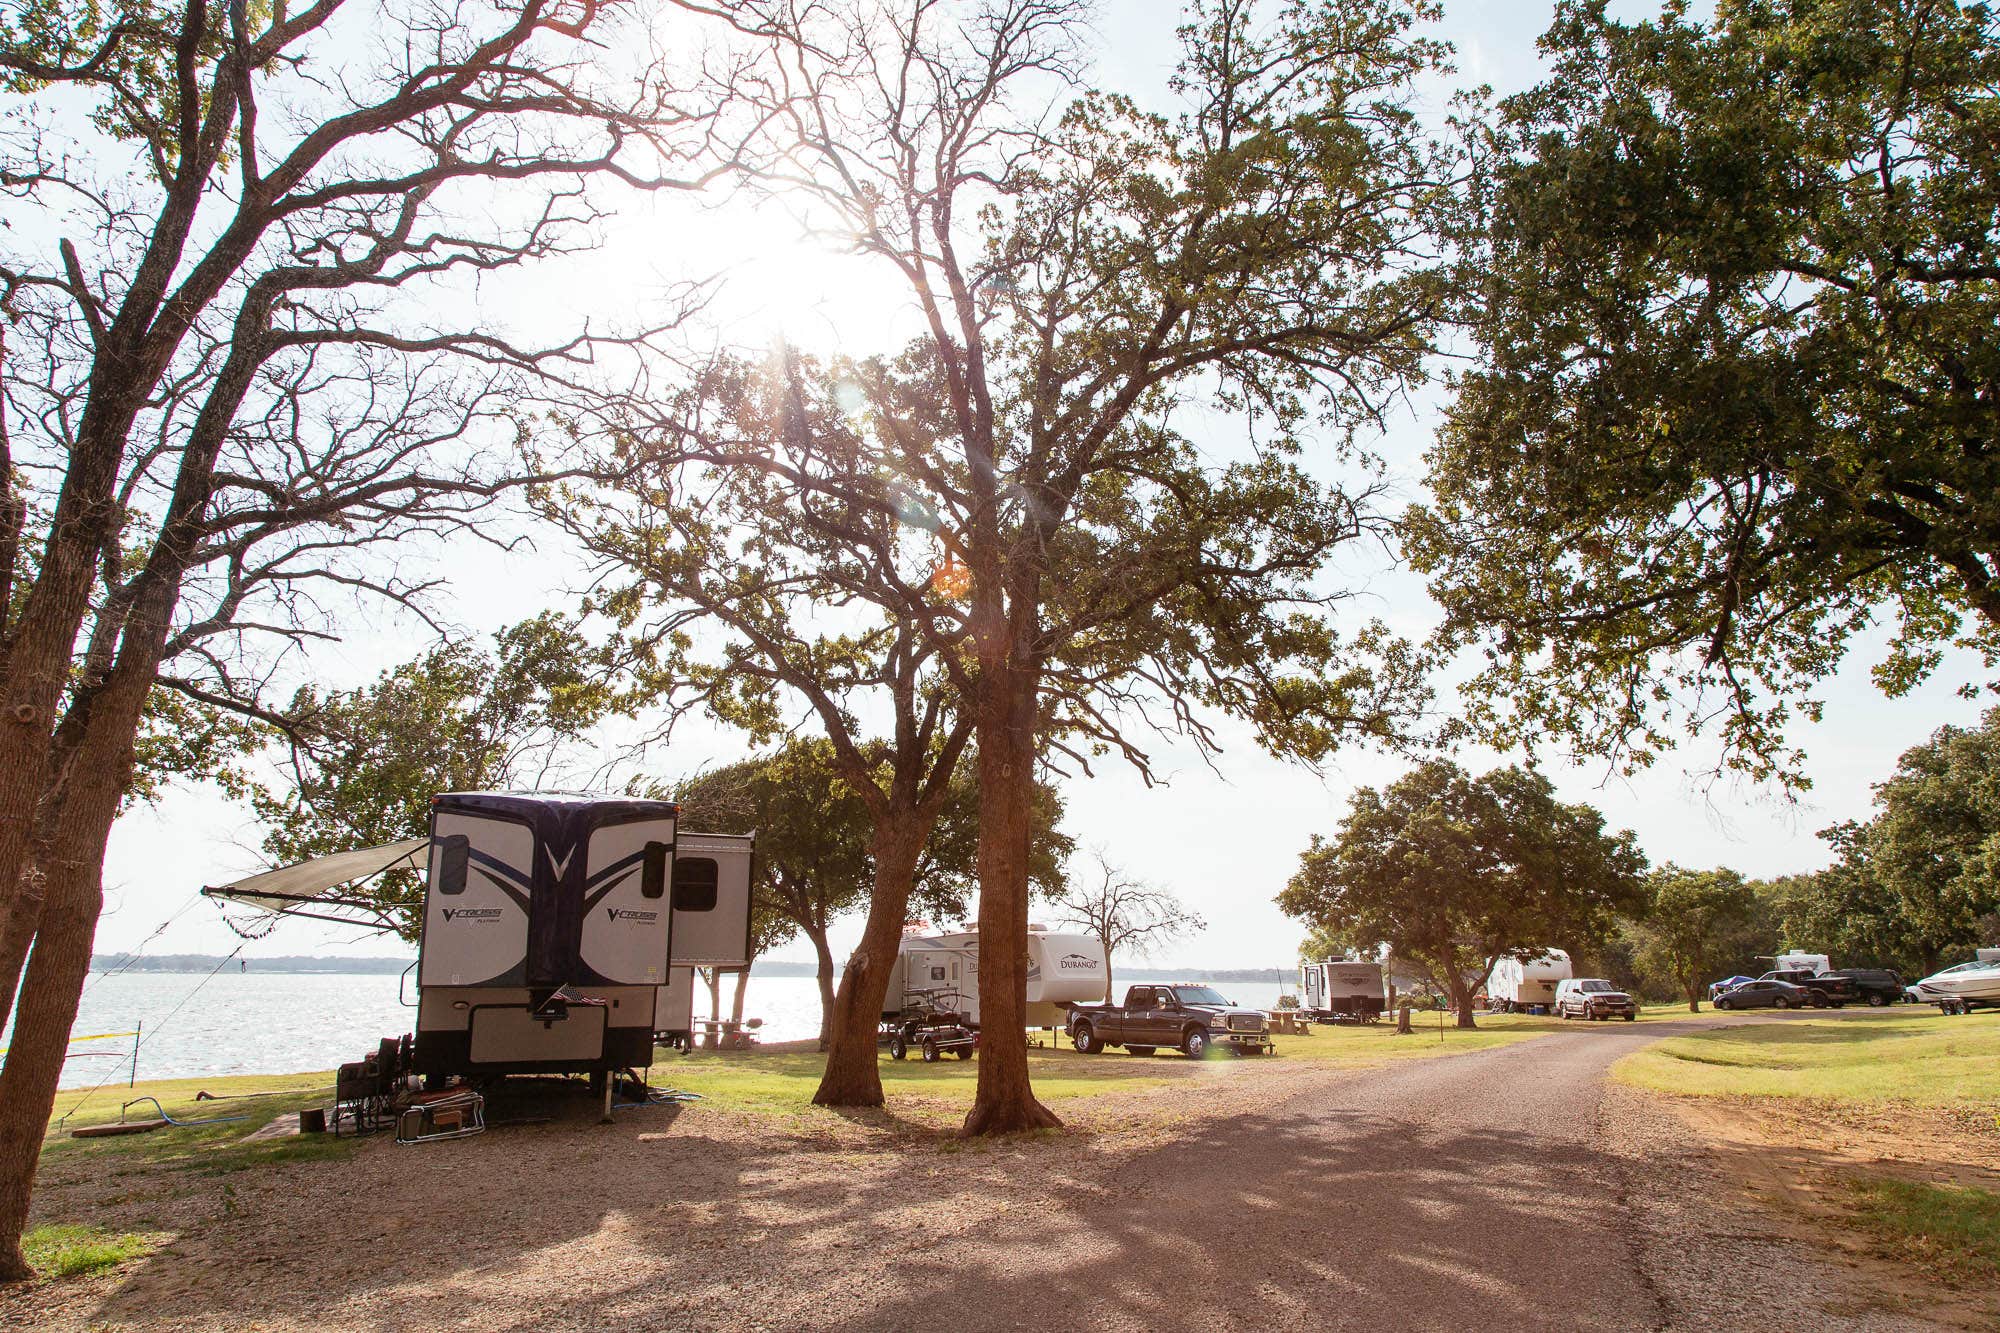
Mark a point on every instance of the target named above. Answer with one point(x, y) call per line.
point(559, 932)
point(546, 933)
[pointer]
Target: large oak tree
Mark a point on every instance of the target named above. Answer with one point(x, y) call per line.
point(235, 390)
point(1101, 291)
point(1455, 872)
point(1733, 290)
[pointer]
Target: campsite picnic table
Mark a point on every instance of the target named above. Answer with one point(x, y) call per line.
point(719, 1034)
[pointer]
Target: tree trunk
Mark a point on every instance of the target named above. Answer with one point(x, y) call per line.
point(736, 1005)
point(824, 953)
point(853, 1074)
point(17, 933)
point(1108, 991)
point(53, 984)
point(1461, 998)
point(1005, 734)
point(1694, 999)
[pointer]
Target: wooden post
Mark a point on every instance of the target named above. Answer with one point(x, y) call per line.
point(133, 1079)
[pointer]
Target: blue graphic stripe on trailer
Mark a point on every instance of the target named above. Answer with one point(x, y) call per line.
point(622, 863)
point(491, 861)
point(595, 898)
point(519, 898)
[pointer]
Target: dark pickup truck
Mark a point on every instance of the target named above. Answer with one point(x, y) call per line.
point(1191, 1019)
point(1830, 987)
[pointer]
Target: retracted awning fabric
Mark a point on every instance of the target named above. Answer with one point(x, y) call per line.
point(308, 884)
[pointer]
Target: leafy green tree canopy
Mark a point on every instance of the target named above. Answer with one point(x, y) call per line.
point(1919, 884)
point(1455, 872)
point(1695, 925)
point(363, 764)
point(1733, 289)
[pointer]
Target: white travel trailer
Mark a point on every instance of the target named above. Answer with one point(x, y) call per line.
point(942, 972)
point(1341, 990)
point(1814, 963)
point(1520, 984)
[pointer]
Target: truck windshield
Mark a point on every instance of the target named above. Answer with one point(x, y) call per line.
point(1199, 995)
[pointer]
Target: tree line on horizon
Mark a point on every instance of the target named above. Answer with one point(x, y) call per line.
point(1722, 292)
point(1451, 873)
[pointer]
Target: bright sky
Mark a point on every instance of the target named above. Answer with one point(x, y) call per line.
point(1224, 840)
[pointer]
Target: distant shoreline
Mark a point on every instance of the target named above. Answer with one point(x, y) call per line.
point(308, 964)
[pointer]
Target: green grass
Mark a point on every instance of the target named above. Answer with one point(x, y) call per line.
point(1904, 1054)
point(1953, 1230)
point(61, 1249)
point(782, 1083)
point(206, 1148)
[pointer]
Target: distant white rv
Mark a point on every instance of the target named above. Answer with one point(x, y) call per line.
point(1521, 984)
point(1341, 990)
point(942, 972)
point(1814, 963)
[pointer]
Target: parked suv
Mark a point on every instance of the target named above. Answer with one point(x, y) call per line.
point(1593, 998)
point(1877, 985)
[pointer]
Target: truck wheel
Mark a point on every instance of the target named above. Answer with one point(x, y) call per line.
point(1085, 1039)
point(1631, 1018)
point(1562, 1013)
point(965, 1052)
point(1195, 1044)
point(1139, 1050)
point(898, 1048)
point(930, 1051)
point(1876, 1001)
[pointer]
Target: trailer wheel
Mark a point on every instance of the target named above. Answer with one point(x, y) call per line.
point(1084, 1038)
point(930, 1051)
point(1140, 1050)
point(1195, 1043)
point(898, 1048)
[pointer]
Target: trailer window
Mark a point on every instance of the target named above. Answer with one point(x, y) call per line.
point(695, 880)
point(653, 877)
point(454, 856)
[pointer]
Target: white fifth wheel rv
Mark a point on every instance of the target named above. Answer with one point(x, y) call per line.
point(1520, 984)
point(1341, 990)
point(552, 927)
point(942, 972)
point(546, 933)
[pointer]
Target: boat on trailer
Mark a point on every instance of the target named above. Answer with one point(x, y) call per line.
point(1967, 986)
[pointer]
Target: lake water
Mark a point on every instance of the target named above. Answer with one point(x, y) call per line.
point(281, 1023)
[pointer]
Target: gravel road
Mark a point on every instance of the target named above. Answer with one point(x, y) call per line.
point(1508, 1189)
point(1512, 1188)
